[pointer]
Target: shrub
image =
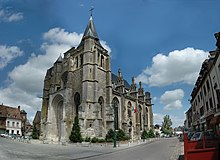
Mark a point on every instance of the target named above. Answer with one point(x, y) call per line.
point(101, 140)
point(94, 140)
point(87, 139)
point(151, 133)
point(144, 135)
point(75, 135)
point(120, 135)
point(34, 133)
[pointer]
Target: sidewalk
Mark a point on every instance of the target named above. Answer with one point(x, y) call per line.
point(178, 152)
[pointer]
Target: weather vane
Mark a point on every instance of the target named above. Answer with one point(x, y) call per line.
point(92, 8)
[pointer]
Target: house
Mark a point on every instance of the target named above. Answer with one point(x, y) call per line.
point(10, 120)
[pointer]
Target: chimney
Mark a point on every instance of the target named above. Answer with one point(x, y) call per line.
point(19, 108)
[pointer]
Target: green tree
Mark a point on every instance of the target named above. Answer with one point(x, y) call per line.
point(75, 135)
point(35, 133)
point(144, 135)
point(166, 125)
point(151, 133)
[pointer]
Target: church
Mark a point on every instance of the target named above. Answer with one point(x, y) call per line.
point(80, 83)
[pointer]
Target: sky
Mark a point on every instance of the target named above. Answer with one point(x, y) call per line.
point(160, 42)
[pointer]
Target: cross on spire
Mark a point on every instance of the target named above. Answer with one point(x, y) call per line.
point(92, 8)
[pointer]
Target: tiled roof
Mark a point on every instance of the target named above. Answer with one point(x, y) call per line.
point(10, 112)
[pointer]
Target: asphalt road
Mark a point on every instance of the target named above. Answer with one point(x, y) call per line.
point(158, 150)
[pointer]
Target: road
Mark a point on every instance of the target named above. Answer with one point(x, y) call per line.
point(158, 150)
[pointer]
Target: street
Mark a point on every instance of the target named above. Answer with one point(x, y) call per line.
point(158, 150)
point(161, 149)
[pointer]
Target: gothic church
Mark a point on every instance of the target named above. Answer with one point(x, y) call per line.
point(81, 84)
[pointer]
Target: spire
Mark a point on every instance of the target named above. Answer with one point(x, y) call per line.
point(90, 30)
point(59, 59)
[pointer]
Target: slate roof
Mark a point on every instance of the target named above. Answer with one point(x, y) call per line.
point(115, 78)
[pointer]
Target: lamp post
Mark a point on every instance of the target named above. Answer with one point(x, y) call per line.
point(115, 122)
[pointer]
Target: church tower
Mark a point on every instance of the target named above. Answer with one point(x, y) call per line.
point(79, 84)
point(96, 80)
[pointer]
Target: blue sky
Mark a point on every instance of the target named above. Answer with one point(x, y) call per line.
point(160, 42)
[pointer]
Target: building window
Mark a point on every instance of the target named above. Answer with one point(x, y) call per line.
point(0, 114)
point(77, 62)
point(102, 60)
point(207, 85)
point(81, 59)
point(8, 123)
point(207, 106)
point(17, 124)
point(17, 132)
point(13, 124)
point(202, 111)
point(210, 103)
point(204, 89)
point(201, 95)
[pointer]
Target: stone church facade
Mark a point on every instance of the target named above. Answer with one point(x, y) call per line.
point(81, 84)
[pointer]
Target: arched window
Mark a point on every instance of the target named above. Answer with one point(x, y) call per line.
point(140, 117)
point(64, 78)
point(77, 102)
point(81, 59)
point(77, 62)
point(102, 61)
point(129, 109)
point(115, 103)
point(101, 102)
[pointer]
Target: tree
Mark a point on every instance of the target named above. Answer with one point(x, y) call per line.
point(166, 125)
point(35, 133)
point(151, 133)
point(75, 135)
point(144, 135)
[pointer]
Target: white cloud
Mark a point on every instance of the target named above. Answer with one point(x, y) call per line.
point(10, 16)
point(8, 53)
point(178, 66)
point(172, 99)
point(60, 36)
point(26, 80)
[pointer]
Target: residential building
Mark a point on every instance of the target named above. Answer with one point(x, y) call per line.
point(81, 84)
point(204, 113)
point(10, 120)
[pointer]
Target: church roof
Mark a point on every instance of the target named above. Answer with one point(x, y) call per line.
point(114, 80)
point(90, 30)
point(60, 59)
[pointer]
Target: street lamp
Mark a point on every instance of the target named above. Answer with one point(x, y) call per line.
point(115, 121)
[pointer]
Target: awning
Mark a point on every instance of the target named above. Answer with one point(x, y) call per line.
point(215, 120)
